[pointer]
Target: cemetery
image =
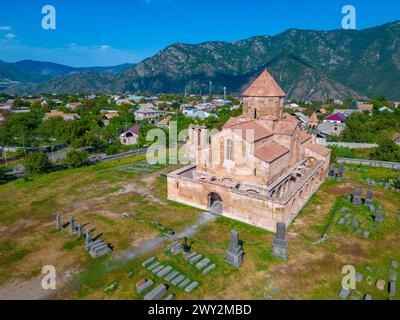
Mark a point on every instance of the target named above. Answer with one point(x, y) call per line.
point(348, 221)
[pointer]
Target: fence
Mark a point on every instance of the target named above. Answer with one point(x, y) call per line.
point(371, 163)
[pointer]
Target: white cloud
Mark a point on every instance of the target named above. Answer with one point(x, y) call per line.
point(5, 28)
point(10, 36)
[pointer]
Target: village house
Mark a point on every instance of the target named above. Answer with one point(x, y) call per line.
point(73, 105)
point(164, 122)
point(335, 118)
point(108, 116)
point(65, 116)
point(130, 136)
point(366, 107)
point(260, 168)
point(384, 108)
point(148, 112)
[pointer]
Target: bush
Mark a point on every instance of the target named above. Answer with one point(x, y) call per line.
point(76, 159)
point(388, 150)
point(37, 163)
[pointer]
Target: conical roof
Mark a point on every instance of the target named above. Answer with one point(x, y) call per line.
point(264, 86)
point(313, 119)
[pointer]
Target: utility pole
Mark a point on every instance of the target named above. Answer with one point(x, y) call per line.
point(224, 93)
point(210, 88)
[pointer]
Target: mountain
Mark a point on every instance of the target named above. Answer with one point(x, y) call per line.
point(309, 65)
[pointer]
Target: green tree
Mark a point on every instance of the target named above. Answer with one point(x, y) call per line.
point(37, 163)
point(388, 150)
point(76, 158)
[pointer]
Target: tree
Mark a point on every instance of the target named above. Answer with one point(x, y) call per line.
point(76, 158)
point(37, 163)
point(388, 150)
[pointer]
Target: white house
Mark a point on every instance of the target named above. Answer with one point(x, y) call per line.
point(130, 136)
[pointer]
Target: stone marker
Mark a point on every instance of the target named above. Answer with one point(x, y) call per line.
point(339, 175)
point(202, 264)
point(234, 254)
point(347, 216)
point(354, 224)
point(195, 259)
point(359, 277)
point(366, 234)
point(158, 268)
point(368, 297)
point(178, 280)
point(344, 293)
point(357, 195)
point(147, 262)
point(171, 276)
point(279, 241)
point(341, 221)
point(162, 273)
point(88, 237)
point(191, 287)
point(209, 269)
point(379, 216)
point(71, 225)
point(332, 169)
point(144, 286)
point(370, 198)
point(80, 231)
point(171, 296)
point(156, 293)
point(392, 275)
point(58, 222)
point(190, 255)
point(393, 264)
point(153, 265)
point(380, 284)
point(392, 288)
point(184, 283)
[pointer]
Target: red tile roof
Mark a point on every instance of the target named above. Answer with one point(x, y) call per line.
point(286, 128)
point(270, 152)
point(244, 129)
point(320, 149)
point(264, 86)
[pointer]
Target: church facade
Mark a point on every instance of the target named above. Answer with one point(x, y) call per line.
point(261, 168)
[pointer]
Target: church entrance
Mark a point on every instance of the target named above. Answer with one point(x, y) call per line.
point(215, 203)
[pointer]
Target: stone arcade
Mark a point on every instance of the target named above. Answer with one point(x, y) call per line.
point(260, 168)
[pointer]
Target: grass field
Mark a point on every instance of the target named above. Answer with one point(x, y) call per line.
point(99, 194)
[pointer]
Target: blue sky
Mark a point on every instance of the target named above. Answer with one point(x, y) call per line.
point(102, 32)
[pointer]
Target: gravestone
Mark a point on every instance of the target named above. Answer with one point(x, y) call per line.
point(143, 286)
point(191, 287)
point(366, 234)
point(392, 288)
point(58, 222)
point(341, 221)
point(332, 170)
point(162, 273)
point(234, 254)
point(147, 262)
point(80, 231)
point(370, 197)
point(359, 277)
point(357, 195)
point(209, 269)
point(156, 293)
point(195, 259)
point(392, 275)
point(171, 276)
point(339, 175)
point(279, 242)
point(153, 265)
point(71, 225)
point(157, 269)
point(202, 264)
point(344, 293)
point(171, 296)
point(379, 216)
point(393, 263)
point(88, 239)
point(184, 284)
point(368, 297)
point(178, 280)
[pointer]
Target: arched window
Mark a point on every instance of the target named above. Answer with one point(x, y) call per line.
point(229, 150)
point(255, 114)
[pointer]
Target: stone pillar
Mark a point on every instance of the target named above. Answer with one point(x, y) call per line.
point(88, 239)
point(71, 225)
point(80, 231)
point(370, 197)
point(234, 254)
point(279, 242)
point(357, 195)
point(58, 222)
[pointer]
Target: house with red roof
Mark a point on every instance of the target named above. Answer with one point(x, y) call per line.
point(335, 118)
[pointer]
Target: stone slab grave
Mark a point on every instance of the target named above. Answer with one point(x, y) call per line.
point(148, 262)
point(392, 275)
point(202, 264)
point(393, 264)
point(357, 195)
point(175, 248)
point(379, 215)
point(195, 259)
point(234, 254)
point(156, 293)
point(143, 285)
point(162, 273)
point(158, 268)
point(392, 288)
point(191, 287)
point(209, 269)
point(367, 297)
point(370, 198)
point(171, 296)
point(171, 276)
point(279, 242)
point(190, 255)
point(359, 277)
point(153, 266)
point(178, 280)
point(184, 283)
point(341, 221)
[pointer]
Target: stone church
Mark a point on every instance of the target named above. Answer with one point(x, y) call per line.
point(260, 168)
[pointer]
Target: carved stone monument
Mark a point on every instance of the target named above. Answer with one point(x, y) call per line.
point(379, 216)
point(357, 195)
point(71, 225)
point(234, 254)
point(279, 242)
point(58, 222)
point(370, 197)
point(339, 175)
point(88, 237)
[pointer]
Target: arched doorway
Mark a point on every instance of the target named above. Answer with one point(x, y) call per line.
point(215, 203)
